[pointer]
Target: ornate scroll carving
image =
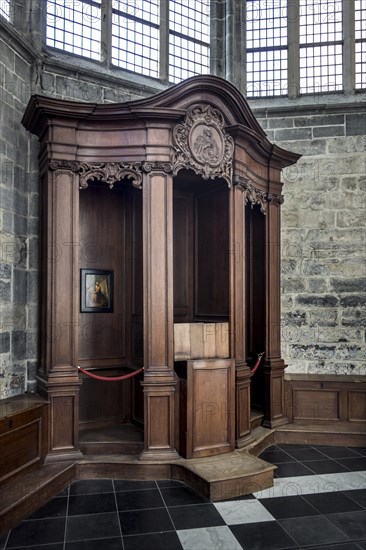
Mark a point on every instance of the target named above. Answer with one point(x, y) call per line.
point(252, 194)
point(201, 143)
point(108, 172)
point(275, 199)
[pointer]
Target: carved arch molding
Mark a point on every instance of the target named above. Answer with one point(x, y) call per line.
point(200, 143)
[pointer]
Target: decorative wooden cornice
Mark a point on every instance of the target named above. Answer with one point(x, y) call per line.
point(201, 143)
point(251, 193)
point(108, 172)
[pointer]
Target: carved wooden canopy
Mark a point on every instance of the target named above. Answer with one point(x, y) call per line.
point(202, 124)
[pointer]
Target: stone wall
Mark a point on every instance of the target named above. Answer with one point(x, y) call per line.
point(18, 224)
point(323, 234)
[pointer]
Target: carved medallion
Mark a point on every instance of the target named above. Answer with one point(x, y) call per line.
point(201, 143)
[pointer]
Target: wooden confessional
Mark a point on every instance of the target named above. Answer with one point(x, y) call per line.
point(160, 249)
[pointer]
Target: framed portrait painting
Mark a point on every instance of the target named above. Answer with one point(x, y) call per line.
point(96, 291)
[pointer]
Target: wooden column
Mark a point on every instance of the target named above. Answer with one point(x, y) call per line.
point(58, 377)
point(237, 316)
point(159, 379)
point(274, 365)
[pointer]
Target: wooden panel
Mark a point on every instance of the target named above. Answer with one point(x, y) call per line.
point(201, 340)
point(315, 405)
point(212, 255)
point(102, 336)
point(210, 402)
point(325, 398)
point(183, 256)
point(357, 405)
point(62, 422)
point(105, 401)
point(23, 434)
point(159, 435)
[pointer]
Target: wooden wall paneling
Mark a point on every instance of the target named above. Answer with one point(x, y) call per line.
point(103, 245)
point(210, 407)
point(183, 231)
point(356, 406)
point(212, 254)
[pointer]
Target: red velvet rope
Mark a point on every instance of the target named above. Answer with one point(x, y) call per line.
point(253, 369)
point(110, 378)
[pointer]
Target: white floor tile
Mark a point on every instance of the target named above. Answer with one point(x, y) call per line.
point(243, 511)
point(307, 485)
point(214, 538)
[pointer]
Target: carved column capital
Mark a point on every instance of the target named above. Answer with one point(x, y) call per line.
point(70, 165)
point(275, 199)
point(166, 167)
point(251, 193)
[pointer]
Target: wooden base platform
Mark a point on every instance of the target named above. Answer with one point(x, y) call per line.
point(117, 438)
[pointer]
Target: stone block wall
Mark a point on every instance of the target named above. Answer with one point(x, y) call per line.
point(19, 206)
point(323, 235)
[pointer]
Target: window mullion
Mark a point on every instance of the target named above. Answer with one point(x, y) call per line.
point(106, 32)
point(164, 41)
point(293, 42)
point(348, 46)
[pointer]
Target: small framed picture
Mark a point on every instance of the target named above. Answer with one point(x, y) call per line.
point(96, 291)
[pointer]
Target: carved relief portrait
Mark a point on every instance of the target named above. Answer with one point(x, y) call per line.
point(206, 144)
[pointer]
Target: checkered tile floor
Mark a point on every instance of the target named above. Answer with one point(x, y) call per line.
point(318, 501)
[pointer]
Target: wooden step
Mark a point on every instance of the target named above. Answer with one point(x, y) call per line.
point(22, 495)
point(256, 419)
point(338, 433)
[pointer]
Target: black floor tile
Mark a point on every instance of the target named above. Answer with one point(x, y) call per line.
point(361, 544)
point(156, 541)
point(267, 535)
point(91, 486)
point(290, 469)
point(91, 504)
point(359, 450)
point(133, 485)
point(64, 492)
point(97, 544)
point(145, 521)
point(303, 455)
point(276, 456)
point(353, 524)
point(139, 500)
point(326, 466)
point(92, 526)
point(55, 508)
point(287, 446)
point(170, 483)
point(335, 452)
point(341, 546)
point(313, 530)
point(358, 495)
point(195, 516)
point(36, 532)
point(353, 464)
point(180, 496)
point(288, 507)
point(3, 540)
point(332, 503)
point(56, 546)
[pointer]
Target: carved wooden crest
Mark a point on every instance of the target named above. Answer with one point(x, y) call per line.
point(201, 143)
